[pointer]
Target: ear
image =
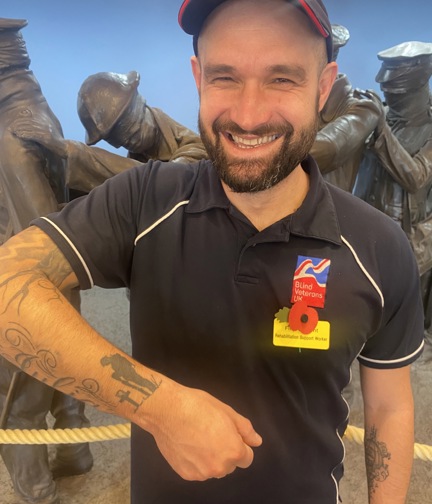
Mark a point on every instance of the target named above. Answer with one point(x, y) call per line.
point(196, 72)
point(327, 78)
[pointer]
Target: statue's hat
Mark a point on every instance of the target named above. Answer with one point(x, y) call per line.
point(410, 61)
point(340, 35)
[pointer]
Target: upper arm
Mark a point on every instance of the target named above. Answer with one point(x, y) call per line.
point(388, 389)
point(34, 252)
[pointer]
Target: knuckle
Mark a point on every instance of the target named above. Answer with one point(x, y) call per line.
point(239, 453)
point(192, 475)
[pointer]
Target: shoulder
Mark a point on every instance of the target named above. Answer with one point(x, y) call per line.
point(354, 214)
point(377, 239)
point(160, 178)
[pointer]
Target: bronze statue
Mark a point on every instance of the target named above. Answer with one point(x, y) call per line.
point(25, 171)
point(32, 183)
point(347, 120)
point(396, 174)
point(111, 109)
point(6, 230)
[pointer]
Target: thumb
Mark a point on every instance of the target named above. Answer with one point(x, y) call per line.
point(247, 432)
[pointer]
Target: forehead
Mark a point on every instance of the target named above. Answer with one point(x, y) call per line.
point(254, 29)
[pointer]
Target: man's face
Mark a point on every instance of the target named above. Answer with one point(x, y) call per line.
point(259, 76)
point(253, 174)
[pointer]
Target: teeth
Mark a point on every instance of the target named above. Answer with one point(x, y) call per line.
point(250, 143)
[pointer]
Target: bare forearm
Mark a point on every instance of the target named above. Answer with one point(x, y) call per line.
point(44, 335)
point(389, 444)
point(41, 333)
point(389, 432)
point(54, 344)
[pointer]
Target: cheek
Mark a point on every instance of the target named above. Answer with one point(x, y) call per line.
point(210, 109)
point(205, 117)
point(304, 113)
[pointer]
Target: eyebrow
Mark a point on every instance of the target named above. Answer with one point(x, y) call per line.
point(294, 71)
point(288, 70)
point(215, 70)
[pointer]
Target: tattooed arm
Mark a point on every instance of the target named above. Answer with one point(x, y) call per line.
point(389, 433)
point(41, 333)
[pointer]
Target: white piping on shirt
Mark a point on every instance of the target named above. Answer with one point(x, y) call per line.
point(371, 280)
point(394, 361)
point(338, 500)
point(72, 246)
point(342, 462)
point(159, 221)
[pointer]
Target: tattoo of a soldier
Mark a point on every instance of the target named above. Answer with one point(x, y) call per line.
point(124, 372)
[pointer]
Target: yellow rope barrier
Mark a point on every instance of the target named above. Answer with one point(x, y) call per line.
point(65, 436)
point(122, 431)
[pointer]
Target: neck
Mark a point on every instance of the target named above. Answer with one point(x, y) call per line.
point(409, 105)
point(264, 208)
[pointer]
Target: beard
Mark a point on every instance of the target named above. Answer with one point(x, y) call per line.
point(243, 175)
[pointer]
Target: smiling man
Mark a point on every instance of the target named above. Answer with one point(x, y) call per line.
point(254, 285)
point(259, 117)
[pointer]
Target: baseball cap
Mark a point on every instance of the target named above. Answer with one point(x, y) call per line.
point(193, 14)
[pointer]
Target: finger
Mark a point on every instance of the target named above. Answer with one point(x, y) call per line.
point(248, 433)
point(247, 459)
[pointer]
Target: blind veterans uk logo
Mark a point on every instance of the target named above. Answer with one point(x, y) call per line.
point(300, 327)
point(310, 281)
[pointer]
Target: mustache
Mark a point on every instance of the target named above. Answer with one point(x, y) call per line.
point(224, 125)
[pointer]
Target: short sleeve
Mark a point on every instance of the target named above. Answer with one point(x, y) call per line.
point(96, 232)
point(399, 339)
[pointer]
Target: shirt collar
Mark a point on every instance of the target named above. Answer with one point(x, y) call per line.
point(208, 192)
point(316, 217)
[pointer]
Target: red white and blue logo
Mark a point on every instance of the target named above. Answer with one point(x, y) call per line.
point(310, 281)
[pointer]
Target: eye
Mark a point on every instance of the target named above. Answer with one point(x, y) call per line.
point(224, 78)
point(283, 80)
point(223, 82)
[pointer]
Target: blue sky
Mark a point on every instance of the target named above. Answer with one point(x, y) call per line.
point(69, 40)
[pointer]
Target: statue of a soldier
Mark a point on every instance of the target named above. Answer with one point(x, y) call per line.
point(111, 109)
point(347, 120)
point(32, 183)
point(396, 173)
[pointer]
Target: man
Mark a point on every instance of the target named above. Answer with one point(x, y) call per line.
point(253, 287)
point(396, 173)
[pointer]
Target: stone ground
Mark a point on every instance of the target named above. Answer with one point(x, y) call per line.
point(108, 482)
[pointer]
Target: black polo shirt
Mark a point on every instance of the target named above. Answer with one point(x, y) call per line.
point(214, 303)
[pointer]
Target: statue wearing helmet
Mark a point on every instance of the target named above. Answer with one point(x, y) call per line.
point(104, 100)
point(111, 109)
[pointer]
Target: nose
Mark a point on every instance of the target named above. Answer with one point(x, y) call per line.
point(250, 108)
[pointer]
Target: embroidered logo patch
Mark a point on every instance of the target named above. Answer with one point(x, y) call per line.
point(310, 281)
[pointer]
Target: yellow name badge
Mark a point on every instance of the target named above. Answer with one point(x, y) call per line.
point(318, 339)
